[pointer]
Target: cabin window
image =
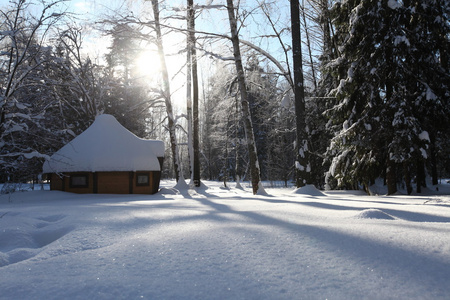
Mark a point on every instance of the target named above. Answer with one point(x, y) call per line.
point(79, 181)
point(142, 179)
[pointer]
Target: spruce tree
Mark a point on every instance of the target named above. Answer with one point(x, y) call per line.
point(387, 71)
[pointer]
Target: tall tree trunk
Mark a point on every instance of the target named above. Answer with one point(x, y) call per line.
point(391, 177)
point(193, 62)
point(328, 45)
point(248, 126)
point(302, 165)
point(407, 175)
point(308, 44)
point(189, 97)
point(443, 46)
point(238, 167)
point(420, 176)
point(433, 160)
point(166, 92)
point(225, 163)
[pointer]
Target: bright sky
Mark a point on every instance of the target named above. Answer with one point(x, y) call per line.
point(209, 20)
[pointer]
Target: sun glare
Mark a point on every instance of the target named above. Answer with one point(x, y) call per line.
point(148, 64)
point(148, 69)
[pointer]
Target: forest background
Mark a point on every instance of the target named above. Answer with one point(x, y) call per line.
point(375, 73)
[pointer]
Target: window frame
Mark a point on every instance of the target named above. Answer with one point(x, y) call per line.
point(83, 175)
point(142, 174)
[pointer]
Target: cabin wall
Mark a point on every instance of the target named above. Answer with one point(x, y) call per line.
point(56, 182)
point(108, 182)
point(113, 183)
point(156, 181)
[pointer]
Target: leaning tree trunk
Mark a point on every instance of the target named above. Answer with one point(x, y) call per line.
point(166, 92)
point(302, 165)
point(248, 126)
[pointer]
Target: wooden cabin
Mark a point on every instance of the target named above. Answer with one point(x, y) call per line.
point(106, 159)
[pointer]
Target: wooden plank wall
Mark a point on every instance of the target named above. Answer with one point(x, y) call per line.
point(108, 183)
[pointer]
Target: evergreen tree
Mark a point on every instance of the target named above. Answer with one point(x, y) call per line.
point(428, 27)
point(382, 97)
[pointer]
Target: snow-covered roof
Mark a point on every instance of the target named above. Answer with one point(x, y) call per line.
point(106, 146)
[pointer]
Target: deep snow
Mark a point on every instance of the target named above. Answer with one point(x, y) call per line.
point(218, 243)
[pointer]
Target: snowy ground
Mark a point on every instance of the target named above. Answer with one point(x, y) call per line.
point(221, 243)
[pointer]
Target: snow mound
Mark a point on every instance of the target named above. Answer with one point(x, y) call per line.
point(261, 191)
point(238, 183)
point(24, 238)
point(203, 187)
point(308, 189)
point(373, 213)
point(181, 185)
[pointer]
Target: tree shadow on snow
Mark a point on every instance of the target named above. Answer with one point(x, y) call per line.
point(425, 270)
point(401, 214)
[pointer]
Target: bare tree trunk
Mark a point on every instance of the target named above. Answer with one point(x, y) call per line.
point(302, 165)
point(420, 177)
point(248, 126)
point(326, 28)
point(391, 176)
point(166, 92)
point(308, 44)
point(407, 175)
point(193, 56)
point(189, 100)
point(238, 167)
point(225, 163)
point(433, 160)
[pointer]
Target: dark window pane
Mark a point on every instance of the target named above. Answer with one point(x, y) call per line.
point(79, 181)
point(142, 179)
